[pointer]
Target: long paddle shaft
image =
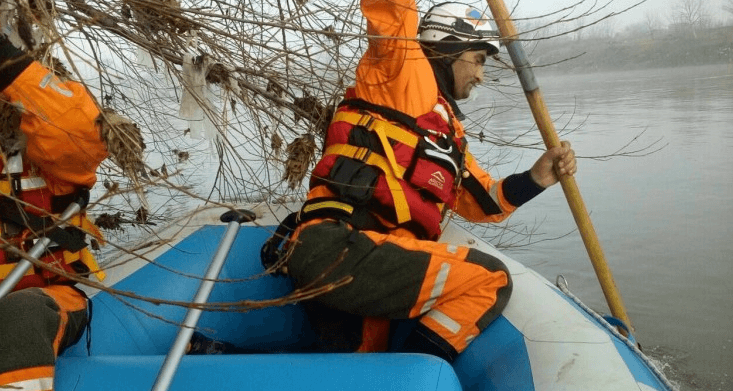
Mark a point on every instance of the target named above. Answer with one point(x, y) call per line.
point(569, 186)
point(172, 360)
point(36, 251)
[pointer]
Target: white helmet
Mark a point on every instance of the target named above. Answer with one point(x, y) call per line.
point(470, 28)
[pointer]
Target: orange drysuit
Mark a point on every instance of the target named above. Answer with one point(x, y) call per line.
point(45, 313)
point(372, 166)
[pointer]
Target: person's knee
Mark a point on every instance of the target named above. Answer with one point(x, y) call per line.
point(28, 328)
point(503, 293)
point(488, 262)
point(28, 306)
point(11, 308)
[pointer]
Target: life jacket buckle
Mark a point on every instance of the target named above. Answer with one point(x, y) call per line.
point(432, 143)
point(15, 184)
point(443, 154)
point(366, 121)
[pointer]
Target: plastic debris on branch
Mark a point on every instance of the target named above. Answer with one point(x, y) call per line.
point(144, 58)
point(7, 26)
point(196, 105)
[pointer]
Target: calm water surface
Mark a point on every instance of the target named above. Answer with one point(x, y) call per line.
point(664, 220)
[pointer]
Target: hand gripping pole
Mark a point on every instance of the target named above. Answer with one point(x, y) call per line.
point(234, 218)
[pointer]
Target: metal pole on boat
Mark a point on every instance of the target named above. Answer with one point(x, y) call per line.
point(549, 135)
point(234, 218)
point(7, 285)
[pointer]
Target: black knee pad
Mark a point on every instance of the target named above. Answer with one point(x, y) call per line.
point(492, 264)
point(488, 262)
point(29, 325)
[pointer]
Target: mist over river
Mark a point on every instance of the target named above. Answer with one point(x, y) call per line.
point(664, 218)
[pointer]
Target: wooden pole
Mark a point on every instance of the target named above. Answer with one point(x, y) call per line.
point(549, 135)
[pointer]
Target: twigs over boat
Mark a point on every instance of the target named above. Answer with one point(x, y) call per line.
point(264, 78)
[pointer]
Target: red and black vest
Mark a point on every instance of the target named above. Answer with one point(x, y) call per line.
point(25, 203)
point(405, 170)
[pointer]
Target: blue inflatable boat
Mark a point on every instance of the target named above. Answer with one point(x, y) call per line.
point(545, 340)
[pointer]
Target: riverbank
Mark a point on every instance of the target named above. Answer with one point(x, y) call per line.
point(661, 50)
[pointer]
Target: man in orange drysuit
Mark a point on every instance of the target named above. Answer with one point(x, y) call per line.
point(395, 160)
point(51, 164)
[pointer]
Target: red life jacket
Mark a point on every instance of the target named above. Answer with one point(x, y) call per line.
point(26, 185)
point(403, 169)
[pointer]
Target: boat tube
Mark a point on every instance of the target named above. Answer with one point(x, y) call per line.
point(546, 339)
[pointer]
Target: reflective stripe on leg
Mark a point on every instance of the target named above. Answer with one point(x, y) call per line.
point(458, 296)
point(42, 384)
point(28, 379)
point(438, 286)
point(444, 320)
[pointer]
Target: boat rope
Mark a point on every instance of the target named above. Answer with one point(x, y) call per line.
point(562, 285)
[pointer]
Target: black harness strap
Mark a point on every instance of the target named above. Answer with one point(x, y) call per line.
point(317, 208)
point(13, 212)
point(482, 197)
point(387, 112)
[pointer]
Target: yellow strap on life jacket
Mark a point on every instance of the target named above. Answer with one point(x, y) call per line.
point(383, 129)
point(70, 257)
point(5, 187)
point(86, 257)
point(6, 268)
point(34, 183)
point(86, 225)
point(402, 209)
point(390, 130)
point(362, 153)
point(389, 152)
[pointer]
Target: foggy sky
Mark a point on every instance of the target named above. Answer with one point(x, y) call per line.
point(661, 7)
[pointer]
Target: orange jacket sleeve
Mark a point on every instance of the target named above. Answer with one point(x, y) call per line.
point(504, 196)
point(59, 120)
point(394, 72)
point(469, 207)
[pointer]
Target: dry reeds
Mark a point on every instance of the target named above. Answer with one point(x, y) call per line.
point(12, 140)
point(124, 141)
point(282, 64)
point(300, 155)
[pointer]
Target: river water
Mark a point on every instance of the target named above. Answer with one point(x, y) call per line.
point(664, 219)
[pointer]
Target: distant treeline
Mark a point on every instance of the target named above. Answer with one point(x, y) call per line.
point(661, 50)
